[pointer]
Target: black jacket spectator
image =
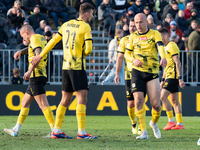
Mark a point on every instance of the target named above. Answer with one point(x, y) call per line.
point(3, 35)
point(172, 10)
point(17, 80)
point(180, 44)
point(151, 4)
point(138, 7)
point(182, 23)
point(3, 9)
point(8, 4)
point(15, 21)
point(105, 11)
point(30, 4)
point(79, 2)
point(55, 6)
point(189, 30)
point(120, 5)
point(35, 19)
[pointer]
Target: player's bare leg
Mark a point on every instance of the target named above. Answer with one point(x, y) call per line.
point(164, 98)
point(60, 115)
point(153, 89)
point(81, 96)
point(140, 112)
point(178, 111)
point(26, 101)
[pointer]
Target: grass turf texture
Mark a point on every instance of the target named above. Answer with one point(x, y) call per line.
point(114, 132)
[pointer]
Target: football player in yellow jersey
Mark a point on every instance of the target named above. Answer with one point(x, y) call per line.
point(77, 43)
point(142, 51)
point(37, 79)
point(128, 68)
point(170, 81)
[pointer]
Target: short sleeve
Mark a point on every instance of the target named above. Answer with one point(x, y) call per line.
point(122, 46)
point(174, 50)
point(36, 42)
point(130, 43)
point(88, 33)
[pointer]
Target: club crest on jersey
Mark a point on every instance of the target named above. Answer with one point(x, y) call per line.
point(143, 38)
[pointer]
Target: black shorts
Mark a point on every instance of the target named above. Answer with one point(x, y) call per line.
point(171, 85)
point(74, 80)
point(139, 80)
point(129, 94)
point(36, 86)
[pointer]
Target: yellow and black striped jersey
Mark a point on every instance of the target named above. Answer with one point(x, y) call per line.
point(74, 33)
point(145, 47)
point(171, 50)
point(37, 41)
point(122, 49)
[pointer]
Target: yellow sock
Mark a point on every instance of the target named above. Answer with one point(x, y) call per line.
point(60, 115)
point(131, 113)
point(155, 115)
point(170, 114)
point(179, 118)
point(81, 116)
point(22, 116)
point(141, 118)
point(49, 116)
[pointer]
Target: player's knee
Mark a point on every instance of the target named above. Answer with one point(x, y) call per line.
point(163, 99)
point(175, 101)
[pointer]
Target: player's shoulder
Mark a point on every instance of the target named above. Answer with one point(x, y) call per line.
point(38, 37)
point(125, 38)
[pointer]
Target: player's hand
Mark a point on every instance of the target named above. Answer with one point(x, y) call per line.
point(181, 83)
point(137, 63)
point(27, 75)
point(116, 79)
point(36, 60)
point(161, 84)
point(17, 55)
point(163, 62)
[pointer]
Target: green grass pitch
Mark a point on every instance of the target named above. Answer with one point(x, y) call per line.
point(114, 133)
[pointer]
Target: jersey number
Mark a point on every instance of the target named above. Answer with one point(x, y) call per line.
point(72, 34)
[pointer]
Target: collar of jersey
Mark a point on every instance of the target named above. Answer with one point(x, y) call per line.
point(144, 33)
point(78, 19)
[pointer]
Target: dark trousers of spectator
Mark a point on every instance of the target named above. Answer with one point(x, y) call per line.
point(55, 16)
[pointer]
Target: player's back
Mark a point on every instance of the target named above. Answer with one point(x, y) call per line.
point(75, 33)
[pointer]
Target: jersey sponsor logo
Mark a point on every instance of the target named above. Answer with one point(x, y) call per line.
point(143, 38)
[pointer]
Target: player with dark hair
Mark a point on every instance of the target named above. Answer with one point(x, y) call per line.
point(170, 81)
point(77, 43)
point(142, 51)
point(36, 75)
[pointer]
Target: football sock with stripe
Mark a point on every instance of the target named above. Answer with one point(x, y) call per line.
point(131, 113)
point(81, 118)
point(60, 115)
point(141, 118)
point(179, 119)
point(155, 115)
point(170, 116)
point(21, 118)
point(48, 113)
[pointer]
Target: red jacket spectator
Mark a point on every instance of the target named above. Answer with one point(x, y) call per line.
point(173, 26)
point(187, 11)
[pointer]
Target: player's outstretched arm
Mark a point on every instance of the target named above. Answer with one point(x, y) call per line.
point(179, 70)
point(119, 62)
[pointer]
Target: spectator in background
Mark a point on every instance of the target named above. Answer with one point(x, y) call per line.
point(19, 38)
point(159, 7)
point(138, 7)
point(29, 5)
point(3, 10)
point(181, 21)
point(159, 26)
point(36, 17)
point(150, 22)
point(120, 6)
point(40, 30)
point(194, 16)
point(59, 45)
point(16, 79)
point(112, 55)
point(173, 10)
point(167, 7)
point(191, 28)
point(3, 38)
point(147, 12)
point(48, 35)
point(8, 4)
point(125, 30)
point(121, 22)
point(79, 2)
point(57, 8)
point(174, 30)
point(180, 5)
point(15, 20)
point(150, 4)
point(130, 14)
point(17, 4)
point(178, 41)
point(187, 10)
point(47, 28)
point(167, 21)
